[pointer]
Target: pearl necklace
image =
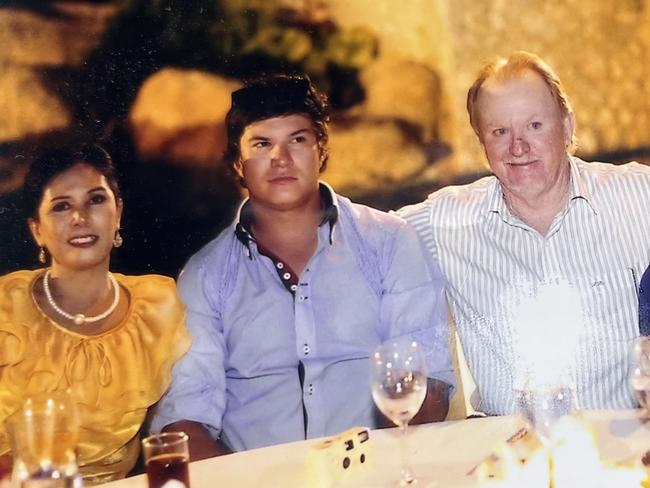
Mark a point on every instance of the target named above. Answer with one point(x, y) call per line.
point(80, 319)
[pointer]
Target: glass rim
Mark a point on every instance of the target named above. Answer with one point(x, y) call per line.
point(401, 342)
point(58, 406)
point(165, 439)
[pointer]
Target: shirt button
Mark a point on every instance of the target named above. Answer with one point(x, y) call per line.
point(286, 276)
point(294, 287)
point(301, 298)
point(305, 348)
point(280, 265)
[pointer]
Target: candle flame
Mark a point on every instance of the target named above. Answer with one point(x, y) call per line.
point(572, 460)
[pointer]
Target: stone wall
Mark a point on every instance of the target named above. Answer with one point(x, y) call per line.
point(31, 45)
point(417, 31)
point(600, 50)
point(413, 37)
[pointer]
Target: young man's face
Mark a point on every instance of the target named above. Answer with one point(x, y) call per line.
point(280, 162)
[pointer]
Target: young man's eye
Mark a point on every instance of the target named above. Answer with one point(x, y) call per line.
point(300, 139)
point(60, 207)
point(536, 125)
point(499, 132)
point(261, 145)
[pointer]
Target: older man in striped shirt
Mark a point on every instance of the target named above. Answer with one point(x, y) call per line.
point(542, 259)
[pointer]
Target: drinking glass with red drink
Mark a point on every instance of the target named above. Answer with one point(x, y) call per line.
point(166, 458)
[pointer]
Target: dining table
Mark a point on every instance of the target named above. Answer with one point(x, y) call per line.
point(443, 454)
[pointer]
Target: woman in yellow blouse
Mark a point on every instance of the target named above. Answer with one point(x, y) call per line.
point(111, 339)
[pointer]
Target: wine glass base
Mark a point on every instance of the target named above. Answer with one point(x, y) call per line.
point(407, 478)
point(409, 482)
point(420, 482)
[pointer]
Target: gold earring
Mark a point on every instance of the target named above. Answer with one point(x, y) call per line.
point(42, 258)
point(118, 241)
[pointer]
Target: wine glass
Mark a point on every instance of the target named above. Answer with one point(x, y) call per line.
point(639, 373)
point(543, 404)
point(399, 385)
point(43, 434)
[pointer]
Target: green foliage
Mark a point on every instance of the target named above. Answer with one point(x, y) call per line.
point(354, 48)
point(237, 41)
point(278, 42)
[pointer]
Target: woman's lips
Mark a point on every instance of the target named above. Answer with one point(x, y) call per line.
point(83, 241)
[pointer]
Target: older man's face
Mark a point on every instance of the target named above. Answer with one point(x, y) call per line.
point(525, 136)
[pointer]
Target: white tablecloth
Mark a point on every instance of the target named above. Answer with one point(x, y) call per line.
point(441, 454)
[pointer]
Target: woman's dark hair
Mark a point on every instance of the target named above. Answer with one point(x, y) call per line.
point(275, 96)
point(55, 161)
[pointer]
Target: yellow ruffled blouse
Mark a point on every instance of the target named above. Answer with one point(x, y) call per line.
point(115, 376)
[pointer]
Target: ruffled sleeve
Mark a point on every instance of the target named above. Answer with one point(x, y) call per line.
point(17, 311)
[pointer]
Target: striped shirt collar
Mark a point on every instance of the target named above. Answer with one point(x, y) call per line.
point(578, 188)
point(330, 215)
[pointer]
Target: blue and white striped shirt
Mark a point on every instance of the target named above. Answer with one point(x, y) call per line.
point(500, 271)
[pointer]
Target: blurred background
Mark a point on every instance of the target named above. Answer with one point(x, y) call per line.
point(151, 80)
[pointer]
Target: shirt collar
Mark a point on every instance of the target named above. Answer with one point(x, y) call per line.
point(245, 216)
point(578, 189)
point(495, 202)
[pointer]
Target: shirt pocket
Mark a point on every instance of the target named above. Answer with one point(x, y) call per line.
point(610, 303)
point(610, 322)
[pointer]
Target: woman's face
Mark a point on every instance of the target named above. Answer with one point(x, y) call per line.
point(77, 219)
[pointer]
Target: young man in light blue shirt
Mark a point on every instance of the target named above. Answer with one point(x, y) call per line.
point(287, 304)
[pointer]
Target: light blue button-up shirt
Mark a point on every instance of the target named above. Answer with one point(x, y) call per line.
point(369, 283)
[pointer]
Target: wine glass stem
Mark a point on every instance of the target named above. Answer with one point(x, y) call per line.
point(407, 475)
